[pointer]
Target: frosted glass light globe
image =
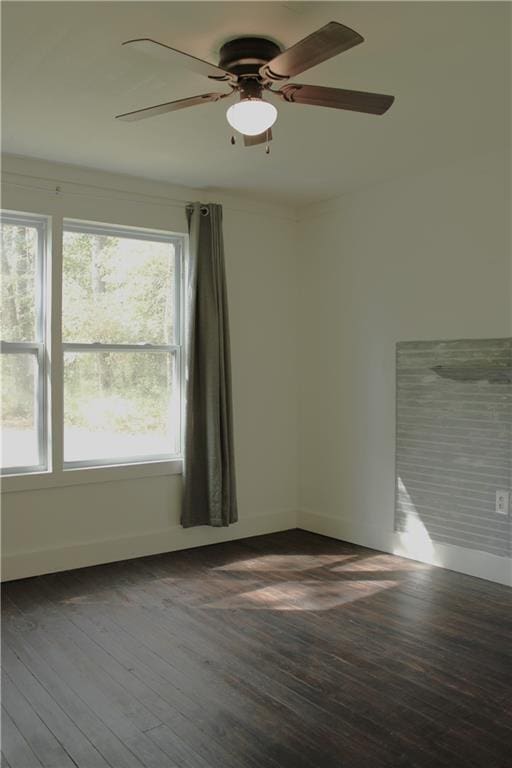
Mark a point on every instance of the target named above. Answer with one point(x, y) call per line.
point(251, 116)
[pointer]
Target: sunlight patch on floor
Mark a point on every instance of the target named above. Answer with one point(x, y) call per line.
point(303, 596)
point(379, 563)
point(268, 563)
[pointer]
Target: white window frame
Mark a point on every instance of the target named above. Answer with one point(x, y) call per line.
point(38, 347)
point(55, 473)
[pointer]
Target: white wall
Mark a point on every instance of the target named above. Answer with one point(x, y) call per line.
point(317, 305)
point(417, 258)
point(49, 529)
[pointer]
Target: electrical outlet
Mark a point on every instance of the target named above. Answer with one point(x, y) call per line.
point(502, 502)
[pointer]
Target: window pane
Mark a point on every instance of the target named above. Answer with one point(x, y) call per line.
point(117, 290)
point(120, 405)
point(19, 411)
point(18, 315)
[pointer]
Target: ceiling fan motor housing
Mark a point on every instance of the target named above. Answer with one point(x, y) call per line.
point(245, 55)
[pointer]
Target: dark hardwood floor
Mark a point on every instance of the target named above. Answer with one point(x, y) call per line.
point(282, 651)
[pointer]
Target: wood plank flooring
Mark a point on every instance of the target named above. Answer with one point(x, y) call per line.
point(284, 651)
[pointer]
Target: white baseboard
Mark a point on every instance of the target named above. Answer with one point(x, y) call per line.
point(36, 562)
point(22, 565)
point(468, 561)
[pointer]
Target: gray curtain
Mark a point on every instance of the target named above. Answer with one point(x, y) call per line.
point(210, 489)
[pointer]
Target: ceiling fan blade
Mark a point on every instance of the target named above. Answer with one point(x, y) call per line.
point(261, 138)
point(171, 106)
point(171, 55)
point(321, 45)
point(337, 98)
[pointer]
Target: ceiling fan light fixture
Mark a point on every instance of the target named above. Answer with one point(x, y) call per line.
point(251, 116)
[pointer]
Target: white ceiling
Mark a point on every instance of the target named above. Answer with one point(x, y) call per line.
point(65, 75)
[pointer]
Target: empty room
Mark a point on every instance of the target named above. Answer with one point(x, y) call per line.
point(256, 376)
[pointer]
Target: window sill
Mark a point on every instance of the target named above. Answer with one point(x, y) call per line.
point(86, 475)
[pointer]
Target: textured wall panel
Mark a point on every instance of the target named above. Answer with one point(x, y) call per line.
point(454, 441)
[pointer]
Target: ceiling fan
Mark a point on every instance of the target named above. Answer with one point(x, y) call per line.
point(252, 66)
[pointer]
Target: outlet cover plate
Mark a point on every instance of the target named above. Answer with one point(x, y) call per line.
point(502, 502)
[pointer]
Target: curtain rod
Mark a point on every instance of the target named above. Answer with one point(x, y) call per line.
point(173, 202)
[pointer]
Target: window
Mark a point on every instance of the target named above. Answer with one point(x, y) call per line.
point(23, 353)
point(116, 377)
point(121, 344)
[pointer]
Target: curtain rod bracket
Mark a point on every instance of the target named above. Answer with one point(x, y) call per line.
point(204, 209)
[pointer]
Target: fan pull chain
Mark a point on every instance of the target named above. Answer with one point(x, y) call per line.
point(267, 148)
point(233, 140)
